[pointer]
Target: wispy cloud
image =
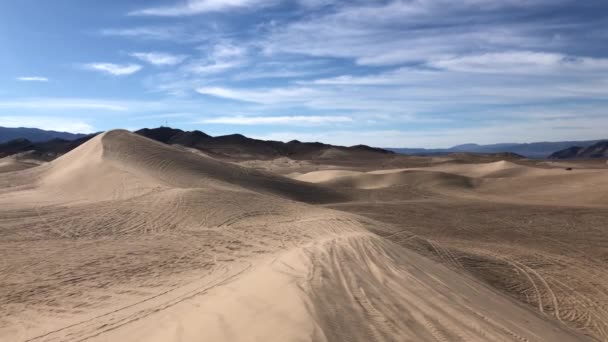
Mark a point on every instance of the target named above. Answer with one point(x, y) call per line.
point(522, 62)
point(397, 32)
point(193, 7)
point(265, 96)
point(114, 69)
point(146, 32)
point(32, 79)
point(404, 72)
point(63, 104)
point(61, 124)
point(434, 137)
point(204, 67)
point(218, 58)
point(159, 58)
point(294, 120)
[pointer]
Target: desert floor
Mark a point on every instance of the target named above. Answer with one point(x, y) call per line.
point(127, 239)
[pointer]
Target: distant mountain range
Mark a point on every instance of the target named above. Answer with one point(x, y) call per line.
point(597, 150)
point(529, 150)
point(52, 143)
point(35, 134)
point(234, 146)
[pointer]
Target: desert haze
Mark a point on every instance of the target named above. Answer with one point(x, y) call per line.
point(128, 239)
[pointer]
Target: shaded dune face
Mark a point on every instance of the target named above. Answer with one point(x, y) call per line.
point(404, 178)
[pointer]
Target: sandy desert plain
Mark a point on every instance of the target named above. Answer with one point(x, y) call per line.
point(129, 239)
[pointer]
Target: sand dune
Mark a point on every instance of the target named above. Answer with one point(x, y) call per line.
point(414, 178)
point(496, 169)
point(499, 181)
point(125, 165)
point(325, 175)
point(535, 234)
point(488, 170)
point(126, 239)
point(11, 163)
point(504, 181)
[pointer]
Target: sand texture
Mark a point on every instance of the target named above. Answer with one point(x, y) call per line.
point(128, 239)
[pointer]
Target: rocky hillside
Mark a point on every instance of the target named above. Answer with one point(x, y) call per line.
point(597, 150)
point(241, 147)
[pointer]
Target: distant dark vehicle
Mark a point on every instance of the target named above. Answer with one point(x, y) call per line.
point(568, 169)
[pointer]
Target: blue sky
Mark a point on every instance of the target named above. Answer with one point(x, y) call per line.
point(418, 73)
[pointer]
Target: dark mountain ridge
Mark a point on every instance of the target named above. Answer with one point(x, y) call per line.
point(35, 134)
point(46, 150)
point(240, 146)
point(596, 151)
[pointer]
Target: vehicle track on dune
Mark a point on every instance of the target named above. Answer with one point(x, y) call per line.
point(114, 319)
point(416, 297)
point(525, 251)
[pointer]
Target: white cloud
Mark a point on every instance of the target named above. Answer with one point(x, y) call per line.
point(203, 67)
point(114, 69)
point(420, 96)
point(32, 79)
point(227, 50)
point(159, 58)
point(295, 120)
point(193, 7)
point(457, 61)
point(265, 96)
point(60, 124)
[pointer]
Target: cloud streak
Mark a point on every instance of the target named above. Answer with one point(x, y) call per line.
point(398, 32)
point(522, 62)
point(114, 69)
point(146, 32)
point(32, 79)
point(264, 96)
point(159, 58)
point(193, 7)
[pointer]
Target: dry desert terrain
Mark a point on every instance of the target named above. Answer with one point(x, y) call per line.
point(128, 239)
